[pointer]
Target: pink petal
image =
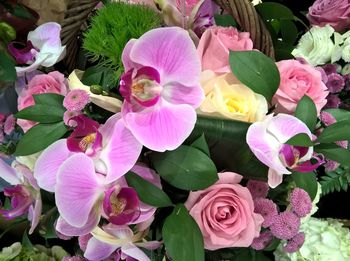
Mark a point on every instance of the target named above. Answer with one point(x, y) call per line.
point(179, 94)
point(133, 251)
point(77, 189)
point(97, 250)
point(8, 174)
point(128, 64)
point(121, 232)
point(120, 152)
point(274, 178)
point(35, 214)
point(151, 245)
point(64, 228)
point(171, 51)
point(47, 34)
point(265, 146)
point(48, 163)
point(162, 128)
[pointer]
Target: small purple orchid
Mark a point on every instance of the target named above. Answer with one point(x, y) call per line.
point(24, 194)
point(83, 196)
point(192, 15)
point(112, 147)
point(43, 48)
point(161, 87)
point(120, 240)
point(267, 141)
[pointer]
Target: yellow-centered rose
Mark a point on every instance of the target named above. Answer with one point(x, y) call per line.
point(227, 97)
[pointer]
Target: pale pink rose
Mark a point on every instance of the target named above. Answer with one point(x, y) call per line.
point(225, 214)
point(53, 82)
point(297, 80)
point(215, 45)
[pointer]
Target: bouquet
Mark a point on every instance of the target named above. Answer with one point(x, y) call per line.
point(174, 130)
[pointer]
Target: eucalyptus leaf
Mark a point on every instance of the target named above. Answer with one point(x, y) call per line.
point(39, 138)
point(147, 192)
point(257, 71)
point(182, 237)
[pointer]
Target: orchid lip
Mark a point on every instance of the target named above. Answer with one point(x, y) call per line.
point(23, 55)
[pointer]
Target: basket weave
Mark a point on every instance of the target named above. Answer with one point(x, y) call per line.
point(242, 11)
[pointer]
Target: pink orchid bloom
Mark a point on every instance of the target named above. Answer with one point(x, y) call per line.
point(43, 48)
point(24, 193)
point(120, 239)
point(192, 15)
point(112, 147)
point(161, 87)
point(83, 196)
point(267, 141)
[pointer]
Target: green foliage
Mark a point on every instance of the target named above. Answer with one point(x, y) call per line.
point(306, 112)
point(225, 20)
point(306, 181)
point(335, 180)
point(7, 67)
point(113, 26)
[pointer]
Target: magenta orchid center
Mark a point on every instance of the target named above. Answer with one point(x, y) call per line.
point(22, 54)
point(21, 200)
point(121, 205)
point(143, 86)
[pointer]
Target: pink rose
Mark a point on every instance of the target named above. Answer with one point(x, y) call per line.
point(333, 12)
point(225, 214)
point(215, 44)
point(53, 82)
point(297, 80)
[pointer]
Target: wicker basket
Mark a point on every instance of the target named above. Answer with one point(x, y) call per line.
point(242, 10)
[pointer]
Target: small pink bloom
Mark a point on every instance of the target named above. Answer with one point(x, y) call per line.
point(267, 209)
point(300, 202)
point(333, 102)
point(285, 225)
point(68, 118)
point(258, 189)
point(335, 83)
point(53, 82)
point(333, 12)
point(265, 238)
point(9, 124)
point(225, 214)
point(294, 244)
point(327, 118)
point(215, 44)
point(76, 100)
point(297, 80)
point(161, 87)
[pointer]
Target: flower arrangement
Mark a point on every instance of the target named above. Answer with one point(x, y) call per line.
point(179, 139)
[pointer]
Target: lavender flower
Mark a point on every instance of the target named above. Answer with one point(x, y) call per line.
point(285, 225)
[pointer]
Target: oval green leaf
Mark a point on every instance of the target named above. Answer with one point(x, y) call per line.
point(306, 112)
point(335, 132)
point(186, 168)
point(334, 152)
point(52, 99)
point(147, 192)
point(271, 10)
point(41, 113)
point(182, 237)
point(306, 181)
point(201, 144)
point(40, 137)
point(257, 71)
point(301, 139)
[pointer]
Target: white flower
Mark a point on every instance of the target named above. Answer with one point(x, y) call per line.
point(346, 53)
point(324, 240)
point(29, 160)
point(316, 46)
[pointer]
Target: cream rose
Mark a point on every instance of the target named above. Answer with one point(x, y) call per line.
point(227, 97)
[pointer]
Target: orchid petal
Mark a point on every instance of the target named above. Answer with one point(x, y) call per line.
point(97, 250)
point(150, 245)
point(34, 214)
point(161, 128)
point(121, 151)
point(26, 69)
point(274, 178)
point(127, 62)
point(265, 147)
point(133, 251)
point(64, 228)
point(179, 94)
point(48, 163)
point(46, 36)
point(119, 232)
point(9, 174)
point(171, 51)
point(77, 189)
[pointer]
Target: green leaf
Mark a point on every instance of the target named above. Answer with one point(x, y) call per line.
point(271, 10)
point(26, 241)
point(289, 31)
point(229, 150)
point(306, 181)
point(257, 71)
point(336, 132)
point(40, 137)
point(225, 20)
point(51, 99)
point(201, 144)
point(99, 75)
point(41, 113)
point(306, 112)
point(301, 139)
point(339, 114)
point(147, 192)
point(21, 12)
point(182, 237)
point(273, 245)
point(334, 152)
point(7, 68)
point(336, 180)
point(282, 54)
point(7, 33)
point(186, 168)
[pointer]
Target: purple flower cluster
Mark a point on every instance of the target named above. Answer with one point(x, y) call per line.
point(282, 225)
point(7, 125)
